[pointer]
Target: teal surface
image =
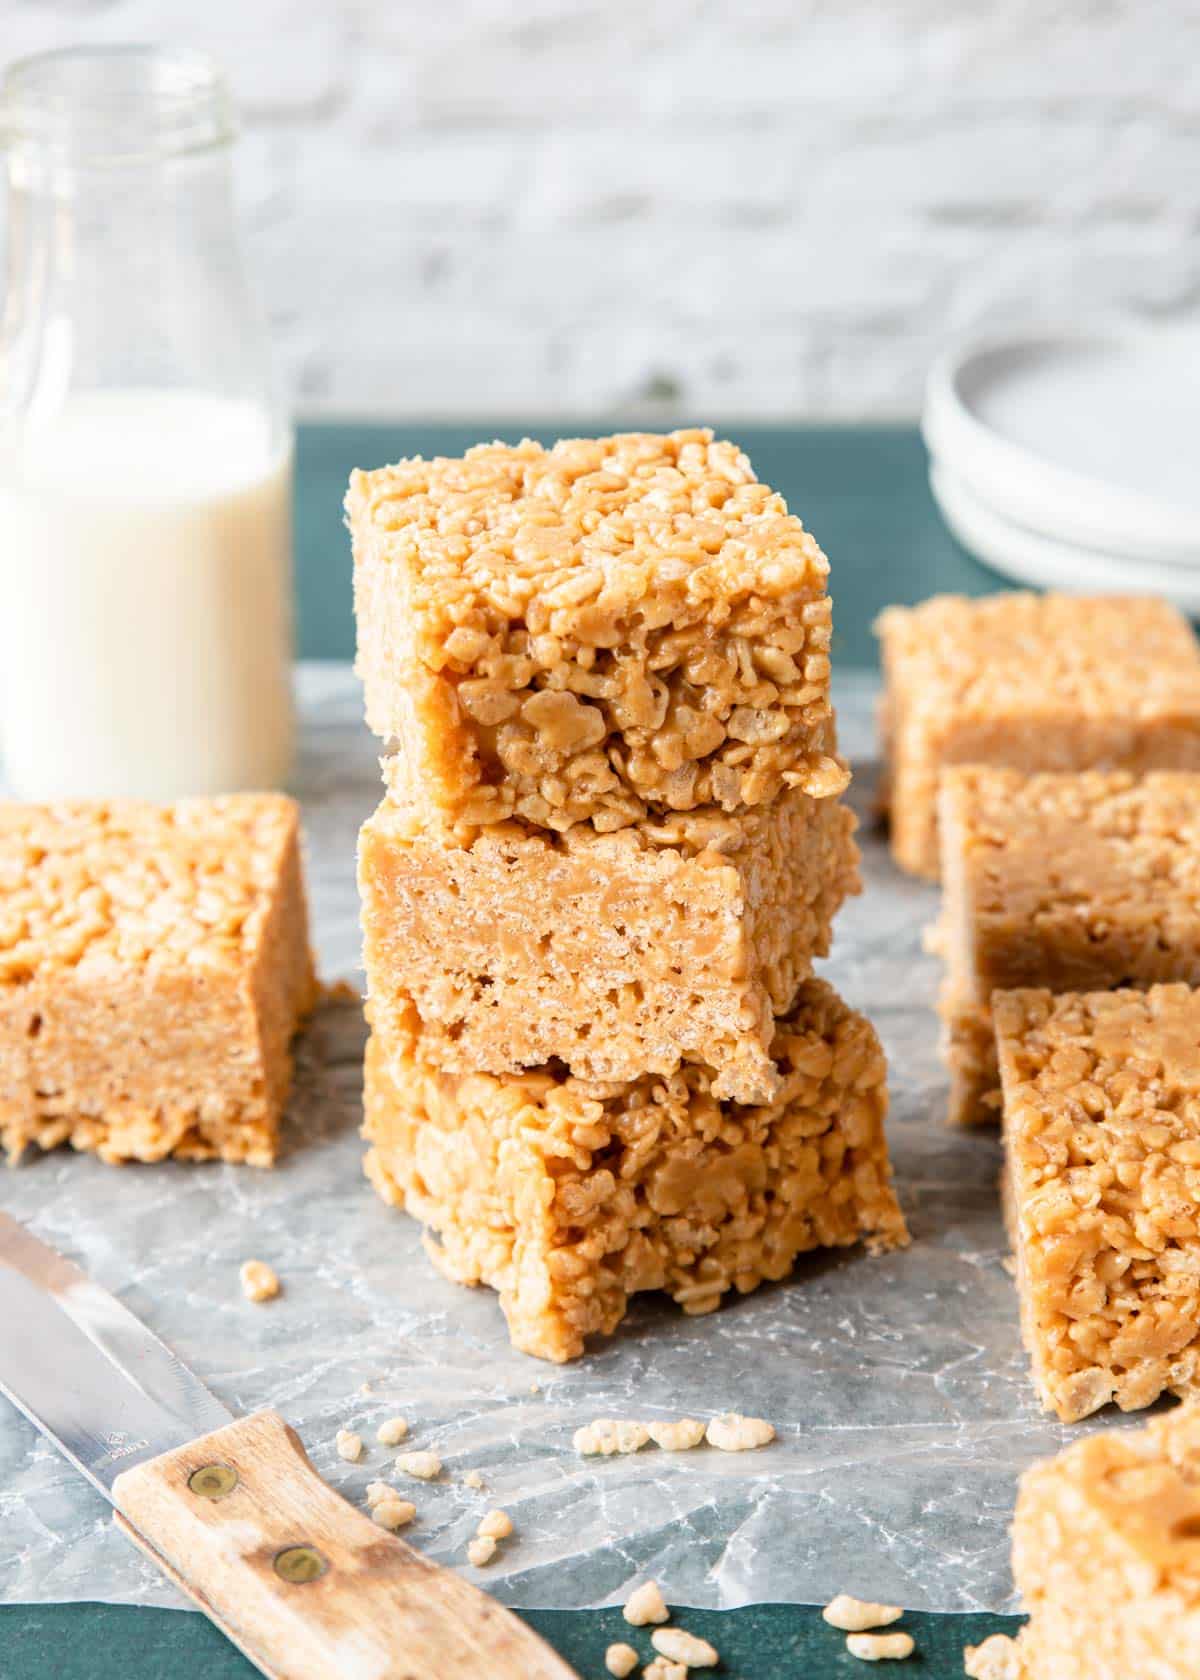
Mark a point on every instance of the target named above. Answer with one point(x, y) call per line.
point(863, 493)
point(766, 1642)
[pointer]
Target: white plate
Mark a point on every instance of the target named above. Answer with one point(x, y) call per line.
point(1047, 563)
point(1089, 437)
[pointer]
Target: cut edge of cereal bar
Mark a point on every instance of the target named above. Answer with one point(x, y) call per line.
point(1034, 682)
point(154, 967)
point(968, 1046)
point(569, 1197)
point(1101, 1125)
point(1077, 882)
point(615, 954)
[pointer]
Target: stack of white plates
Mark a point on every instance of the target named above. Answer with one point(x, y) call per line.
point(1072, 460)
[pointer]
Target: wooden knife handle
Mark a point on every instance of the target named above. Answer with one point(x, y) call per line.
point(306, 1586)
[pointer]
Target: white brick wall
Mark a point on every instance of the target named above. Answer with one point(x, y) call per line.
point(736, 208)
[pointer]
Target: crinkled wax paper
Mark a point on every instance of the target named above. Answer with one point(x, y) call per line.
point(897, 1385)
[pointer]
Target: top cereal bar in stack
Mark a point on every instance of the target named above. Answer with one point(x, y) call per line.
point(594, 632)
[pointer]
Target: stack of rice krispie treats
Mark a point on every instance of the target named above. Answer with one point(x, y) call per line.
point(610, 849)
point(1045, 758)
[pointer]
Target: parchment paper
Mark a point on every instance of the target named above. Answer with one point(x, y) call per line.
point(898, 1385)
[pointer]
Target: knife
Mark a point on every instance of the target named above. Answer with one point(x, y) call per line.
point(232, 1511)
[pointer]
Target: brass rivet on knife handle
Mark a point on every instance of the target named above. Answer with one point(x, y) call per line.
point(299, 1564)
point(376, 1611)
point(213, 1481)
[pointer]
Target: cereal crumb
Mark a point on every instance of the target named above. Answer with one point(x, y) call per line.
point(998, 1658)
point(661, 1669)
point(645, 1604)
point(856, 1615)
point(610, 1435)
point(686, 1648)
point(349, 1445)
point(378, 1491)
point(535, 1388)
point(365, 1389)
point(425, 1466)
point(497, 1525)
point(473, 1479)
point(481, 1550)
point(259, 1281)
point(1009, 1265)
point(620, 1660)
point(734, 1433)
point(393, 1513)
point(678, 1436)
point(879, 1647)
point(339, 991)
point(392, 1431)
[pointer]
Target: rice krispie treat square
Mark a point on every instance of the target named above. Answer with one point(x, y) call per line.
point(615, 954)
point(568, 1197)
point(1106, 1553)
point(1102, 1185)
point(1030, 682)
point(1077, 883)
point(154, 966)
point(607, 628)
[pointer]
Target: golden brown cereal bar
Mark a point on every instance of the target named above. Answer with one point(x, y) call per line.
point(609, 628)
point(154, 966)
point(1106, 1553)
point(1102, 1184)
point(615, 954)
point(569, 1197)
point(1049, 682)
point(1076, 883)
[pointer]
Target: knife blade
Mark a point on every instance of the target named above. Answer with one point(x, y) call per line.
point(231, 1510)
point(86, 1371)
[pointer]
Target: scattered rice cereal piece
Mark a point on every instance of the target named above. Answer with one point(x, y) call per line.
point(661, 1669)
point(856, 1615)
point(259, 1281)
point(473, 1479)
point(497, 1525)
point(393, 1513)
point(392, 1431)
point(679, 1435)
point(645, 1604)
point(379, 1491)
point(481, 1550)
point(620, 1660)
point(998, 1658)
point(610, 1435)
point(425, 1466)
point(880, 1647)
point(734, 1433)
point(349, 1445)
point(686, 1648)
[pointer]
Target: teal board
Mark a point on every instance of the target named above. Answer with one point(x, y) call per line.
point(765, 1642)
point(862, 491)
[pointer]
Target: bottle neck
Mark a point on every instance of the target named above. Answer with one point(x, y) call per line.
point(124, 263)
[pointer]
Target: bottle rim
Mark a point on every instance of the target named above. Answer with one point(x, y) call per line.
point(96, 107)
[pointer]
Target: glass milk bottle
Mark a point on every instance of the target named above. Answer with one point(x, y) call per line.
point(145, 467)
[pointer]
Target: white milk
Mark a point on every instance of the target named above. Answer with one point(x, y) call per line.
point(145, 600)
